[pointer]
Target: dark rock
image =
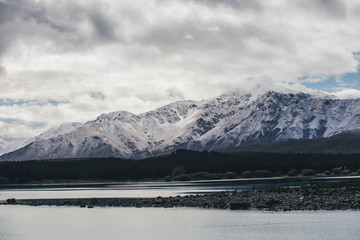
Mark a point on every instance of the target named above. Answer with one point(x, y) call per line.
point(261, 206)
point(239, 206)
point(11, 201)
point(272, 202)
point(301, 198)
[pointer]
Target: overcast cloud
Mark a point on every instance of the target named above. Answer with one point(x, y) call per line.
point(65, 61)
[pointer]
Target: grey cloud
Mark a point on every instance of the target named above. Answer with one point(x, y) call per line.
point(150, 96)
point(355, 11)
point(24, 10)
point(168, 35)
point(104, 28)
point(70, 17)
point(5, 12)
point(229, 44)
point(174, 93)
point(61, 22)
point(167, 38)
point(9, 10)
point(97, 96)
point(327, 8)
point(170, 38)
point(237, 4)
point(2, 70)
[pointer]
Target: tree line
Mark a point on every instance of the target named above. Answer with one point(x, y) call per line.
point(162, 166)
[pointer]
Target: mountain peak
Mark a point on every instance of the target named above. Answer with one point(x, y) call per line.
point(115, 116)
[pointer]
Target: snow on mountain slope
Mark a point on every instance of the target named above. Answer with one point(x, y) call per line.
point(275, 117)
point(230, 120)
point(55, 131)
point(7, 146)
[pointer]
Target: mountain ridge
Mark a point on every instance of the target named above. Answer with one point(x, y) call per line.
point(226, 121)
point(343, 143)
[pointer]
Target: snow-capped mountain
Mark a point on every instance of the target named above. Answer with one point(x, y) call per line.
point(55, 131)
point(9, 145)
point(227, 121)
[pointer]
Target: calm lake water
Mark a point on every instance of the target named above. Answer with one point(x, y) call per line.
point(23, 222)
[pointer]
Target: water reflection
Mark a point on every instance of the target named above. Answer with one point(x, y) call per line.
point(149, 189)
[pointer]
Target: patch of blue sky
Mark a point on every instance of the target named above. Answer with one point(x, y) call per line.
point(327, 84)
point(334, 82)
point(8, 120)
point(12, 102)
point(21, 122)
point(36, 124)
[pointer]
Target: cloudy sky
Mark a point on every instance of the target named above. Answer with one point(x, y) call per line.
point(71, 60)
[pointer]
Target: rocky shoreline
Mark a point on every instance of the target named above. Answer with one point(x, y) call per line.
point(279, 199)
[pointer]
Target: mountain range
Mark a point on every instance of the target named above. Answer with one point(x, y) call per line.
point(231, 121)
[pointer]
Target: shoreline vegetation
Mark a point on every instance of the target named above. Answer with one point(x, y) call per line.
point(179, 175)
point(321, 196)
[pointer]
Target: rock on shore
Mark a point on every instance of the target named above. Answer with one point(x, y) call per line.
point(281, 199)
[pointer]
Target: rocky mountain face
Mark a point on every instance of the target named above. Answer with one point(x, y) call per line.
point(227, 121)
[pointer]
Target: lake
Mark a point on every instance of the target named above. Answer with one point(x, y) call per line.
point(24, 222)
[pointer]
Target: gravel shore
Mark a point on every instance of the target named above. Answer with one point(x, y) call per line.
point(279, 199)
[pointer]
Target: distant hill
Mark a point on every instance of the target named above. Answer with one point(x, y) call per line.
point(347, 142)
